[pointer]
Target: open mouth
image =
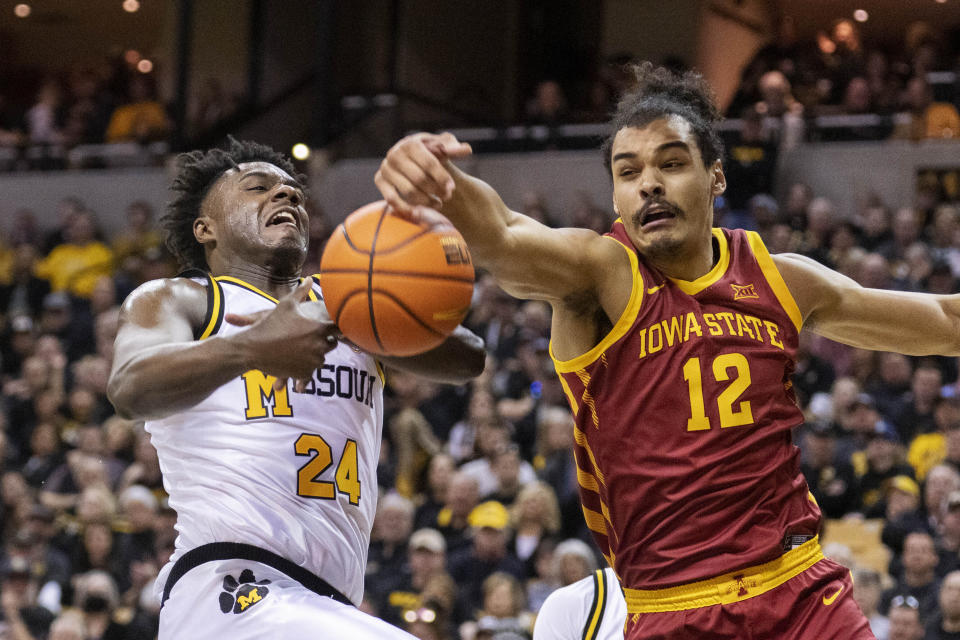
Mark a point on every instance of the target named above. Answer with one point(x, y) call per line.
point(654, 212)
point(284, 216)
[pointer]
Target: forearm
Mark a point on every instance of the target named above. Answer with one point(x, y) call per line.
point(457, 360)
point(479, 214)
point(165, 379)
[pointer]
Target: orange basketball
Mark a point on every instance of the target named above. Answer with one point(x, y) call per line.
point(393, 287)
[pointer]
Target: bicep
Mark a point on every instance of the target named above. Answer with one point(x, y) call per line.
point(157, 313)
point(838, 308)
point(539, 262)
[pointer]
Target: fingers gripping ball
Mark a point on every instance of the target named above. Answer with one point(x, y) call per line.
point(394, 287)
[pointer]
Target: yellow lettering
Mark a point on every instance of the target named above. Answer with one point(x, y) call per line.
point(757, 326)
point(659, 345)
point(772, 331)
point(259, 391)
point(693, 325)
point(671, 330)
point(715, 328)
point(643, 343)
point(727, 317)
point(246, 601)
point(743, 327)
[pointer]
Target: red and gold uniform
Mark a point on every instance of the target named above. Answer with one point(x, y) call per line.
point(688, 477)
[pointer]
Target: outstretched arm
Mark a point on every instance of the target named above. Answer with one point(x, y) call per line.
point(528, 259)
point(159, 369)
point(838, 308)
point(458, 359)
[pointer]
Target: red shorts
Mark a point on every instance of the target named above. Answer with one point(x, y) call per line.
point(815, 604)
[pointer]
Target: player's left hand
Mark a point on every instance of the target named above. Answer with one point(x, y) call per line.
point(313, 309)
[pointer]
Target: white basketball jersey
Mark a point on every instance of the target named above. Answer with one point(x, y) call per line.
point(589, 609)
point(293, 473)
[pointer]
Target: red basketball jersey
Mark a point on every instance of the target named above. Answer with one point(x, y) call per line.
point(683, 418)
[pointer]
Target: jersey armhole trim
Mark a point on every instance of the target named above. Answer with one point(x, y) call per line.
point(214, 316)
point(623, 324)
point(592, 627)
point(774, 278)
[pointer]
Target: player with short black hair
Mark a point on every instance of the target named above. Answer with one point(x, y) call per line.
point(274, 483)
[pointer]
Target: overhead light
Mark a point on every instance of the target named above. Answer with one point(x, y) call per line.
point(941, 1)
point(300, 151)
point(21, 10)
point(860, 15)
point(144, 66)
point(131, 6)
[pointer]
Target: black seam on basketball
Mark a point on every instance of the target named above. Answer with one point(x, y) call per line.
point(407, 310)
point(373, 253)
point(346, 236)
point(411, 274)
point(384, 252)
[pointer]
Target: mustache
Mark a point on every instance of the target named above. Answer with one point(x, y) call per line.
point(656, 203)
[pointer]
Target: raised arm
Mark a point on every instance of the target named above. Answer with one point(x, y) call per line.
point(159, 369)
point(528, 259)
point(838, 308)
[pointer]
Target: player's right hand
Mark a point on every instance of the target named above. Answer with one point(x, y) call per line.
point(290, 340)
point(416, 170)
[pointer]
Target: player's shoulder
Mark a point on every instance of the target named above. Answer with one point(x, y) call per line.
point(183, 296)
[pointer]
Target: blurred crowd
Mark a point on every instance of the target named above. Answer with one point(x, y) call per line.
point(479, 517)
point(793, 85)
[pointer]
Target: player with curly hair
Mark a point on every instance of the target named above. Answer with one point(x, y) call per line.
point(274, 482)
point(675, 342)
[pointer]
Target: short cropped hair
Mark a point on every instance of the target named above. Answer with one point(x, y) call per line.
point(658, 93)
point(196, 173)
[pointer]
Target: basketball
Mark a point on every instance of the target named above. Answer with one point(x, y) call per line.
point(394, 287)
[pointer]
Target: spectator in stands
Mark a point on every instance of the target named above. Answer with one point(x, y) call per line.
point(136, 238)
point(832, 481)
point(905, 619)
point(97, 597)
point(821, 220)
point(512, 473)
point(397, 590)
point(487, 553)
point(503, 614)
point(24, 617)
point(24, 293)
point(548, 106)
point(135, 533)
point(534, 517)
point(923, 117)
point(876, 466)
point(76, 264)
point(463, 495)
point(867, 589)
point(783, 112)
point(391, 531)
point(89, 110)
point(439, 472)
point(946, 624)
point(916, 417)
point(142, 118)
point(482, 408)
point(45, 117)
point(750, 165)
point(917, 577)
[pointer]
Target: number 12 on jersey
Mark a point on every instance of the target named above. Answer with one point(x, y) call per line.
point(346, 478)
point(729, 416)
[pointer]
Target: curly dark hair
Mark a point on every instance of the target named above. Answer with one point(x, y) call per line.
point(196, 173)
point(659, 92)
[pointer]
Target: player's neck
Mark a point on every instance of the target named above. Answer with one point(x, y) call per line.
point(271, 281)
point(689, 265)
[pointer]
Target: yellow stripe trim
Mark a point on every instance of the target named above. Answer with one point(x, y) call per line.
point(692, 287)
point(774, 279)
point(728, 588)
point(574, 407)
point(246, 285)
point(619, 329)
point(581, 439)
point(587, 480)
point(595, 521)
point(214, 312)
point(591, 631)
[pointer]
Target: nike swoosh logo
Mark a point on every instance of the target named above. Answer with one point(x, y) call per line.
point(829, 600)
point(655, 289)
